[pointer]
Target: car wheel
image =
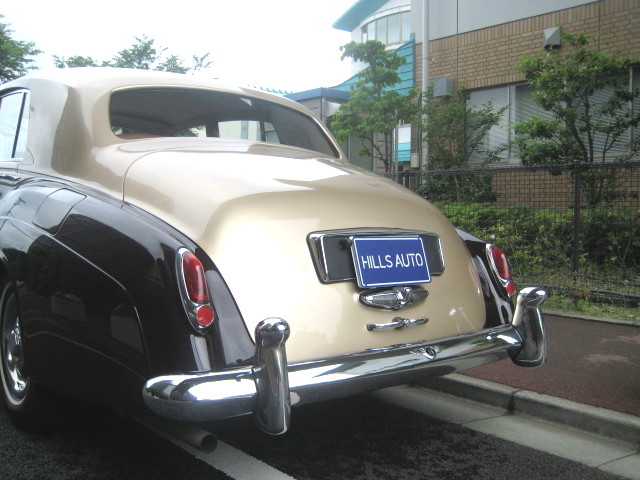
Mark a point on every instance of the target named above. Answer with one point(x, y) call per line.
point(26, 402)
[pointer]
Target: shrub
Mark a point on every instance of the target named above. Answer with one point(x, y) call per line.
point(539, 242)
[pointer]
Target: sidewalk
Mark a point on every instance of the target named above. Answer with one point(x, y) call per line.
point(590, 364)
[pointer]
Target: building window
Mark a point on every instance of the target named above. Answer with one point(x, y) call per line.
point(521, 107)
point(390, 30)
point(498, 136)
point(526, 109)
point(369, 32)
point(393, 29)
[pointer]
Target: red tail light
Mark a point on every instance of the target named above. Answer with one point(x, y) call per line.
point(501, 269)
point(194, 278)
point(194, 290)
point(205, 315)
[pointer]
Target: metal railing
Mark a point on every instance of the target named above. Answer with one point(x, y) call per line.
point(574, 228)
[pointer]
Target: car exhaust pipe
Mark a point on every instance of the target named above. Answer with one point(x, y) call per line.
point(190, 434)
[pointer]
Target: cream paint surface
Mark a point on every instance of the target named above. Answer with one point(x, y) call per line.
point(254, 224)
point(251, 206)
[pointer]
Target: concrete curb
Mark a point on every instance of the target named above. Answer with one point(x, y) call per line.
point(588, 318)
point(600, 421)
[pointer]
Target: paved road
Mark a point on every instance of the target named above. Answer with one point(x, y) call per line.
point(357, 438)
point(362, 438)
point(96, 445)
point(589, 362)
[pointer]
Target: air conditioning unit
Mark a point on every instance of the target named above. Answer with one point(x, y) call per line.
point(552, 37)
point(443, 86)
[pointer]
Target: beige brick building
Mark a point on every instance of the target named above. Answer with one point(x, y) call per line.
point(487, 56)
point(476, 44)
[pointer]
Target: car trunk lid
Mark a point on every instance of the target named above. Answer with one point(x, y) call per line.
point(253, 208)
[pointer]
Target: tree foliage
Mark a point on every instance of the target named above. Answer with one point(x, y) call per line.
point(586, 91)
point(15, 55)
point(373, 110)
point(143, 54)
point(74, 61)
point(454, 130)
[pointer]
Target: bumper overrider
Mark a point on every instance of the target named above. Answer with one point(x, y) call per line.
point(270, 387)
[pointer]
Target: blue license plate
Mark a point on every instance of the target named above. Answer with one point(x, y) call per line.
point(389, 261)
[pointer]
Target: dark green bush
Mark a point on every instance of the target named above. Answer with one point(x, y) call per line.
point(612, 236)
point(539, 242)
point(453, 187)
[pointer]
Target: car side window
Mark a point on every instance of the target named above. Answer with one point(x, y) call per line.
point(14, 122)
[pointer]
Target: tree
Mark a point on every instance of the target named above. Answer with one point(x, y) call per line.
point(373, 110)
point(14, 55)
point(172, 64)
point(74, 61)
point(454, 130)
point(591, 118)
point(142, 55)
point(201, 62)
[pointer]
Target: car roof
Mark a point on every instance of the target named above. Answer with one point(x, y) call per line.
point(69, 123)
point(111, 78)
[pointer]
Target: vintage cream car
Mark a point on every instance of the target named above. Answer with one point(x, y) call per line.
point(206, 252)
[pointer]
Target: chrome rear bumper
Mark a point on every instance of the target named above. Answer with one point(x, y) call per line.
point(271, 387)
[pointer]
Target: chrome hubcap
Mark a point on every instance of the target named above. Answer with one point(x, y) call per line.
point(16, 382)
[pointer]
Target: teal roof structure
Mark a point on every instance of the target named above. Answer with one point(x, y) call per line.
point(358, 12)
point(405, 72)
point(328, 93)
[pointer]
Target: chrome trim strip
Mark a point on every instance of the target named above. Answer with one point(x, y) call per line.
point(321, 256)
point(397, 323)
point(216, 395)
point(316, 241)
point(528, 316)
point(494, 269)
point(190, 308)
point(273, 405)
point(394, 298)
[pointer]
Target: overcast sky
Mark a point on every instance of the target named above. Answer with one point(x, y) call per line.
point(279, 44)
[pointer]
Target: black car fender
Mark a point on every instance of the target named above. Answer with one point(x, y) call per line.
point(96, 283)
point(498, 305)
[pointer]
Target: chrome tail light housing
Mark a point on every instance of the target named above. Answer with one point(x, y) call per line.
point(194, 290)
point(500, 269)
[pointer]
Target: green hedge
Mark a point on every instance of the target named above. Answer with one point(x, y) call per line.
point(539, 242)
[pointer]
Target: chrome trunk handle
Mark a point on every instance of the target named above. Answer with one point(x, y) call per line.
point(397, 323)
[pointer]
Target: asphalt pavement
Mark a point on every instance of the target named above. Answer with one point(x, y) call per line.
point(591, 362)
point(591, 379)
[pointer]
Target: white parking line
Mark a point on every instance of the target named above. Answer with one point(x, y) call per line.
point(587, 448)
point(226, 458)
point(238, 464)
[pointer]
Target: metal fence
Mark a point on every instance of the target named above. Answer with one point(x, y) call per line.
point(572, 228)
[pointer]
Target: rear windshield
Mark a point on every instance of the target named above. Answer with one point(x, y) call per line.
point(179, 112)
